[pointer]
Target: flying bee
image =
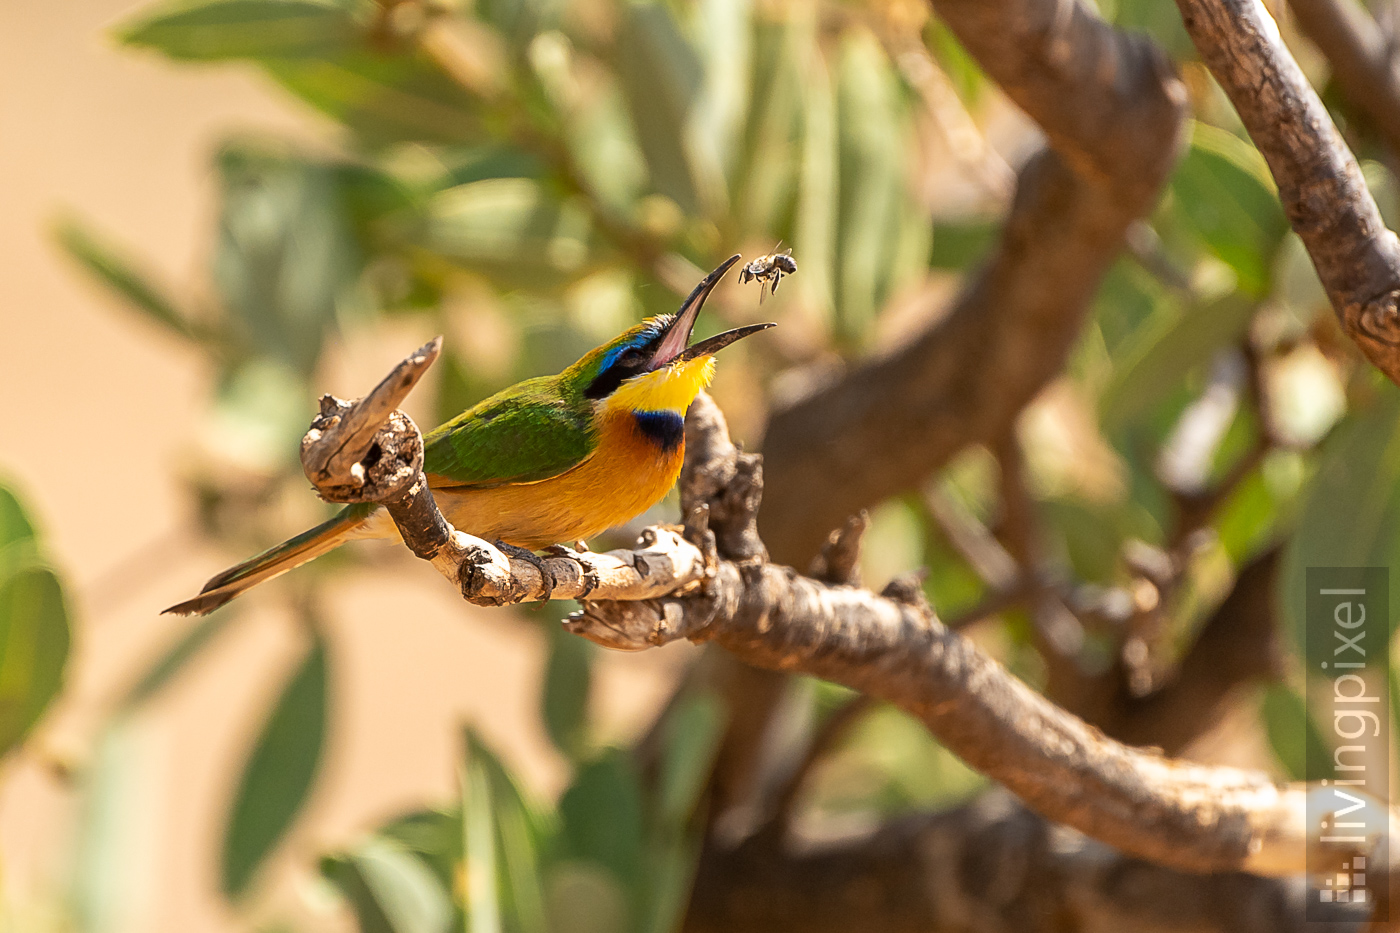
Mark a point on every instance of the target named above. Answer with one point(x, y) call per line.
point(769, 270)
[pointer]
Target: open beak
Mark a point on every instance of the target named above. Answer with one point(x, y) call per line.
point(673, 349)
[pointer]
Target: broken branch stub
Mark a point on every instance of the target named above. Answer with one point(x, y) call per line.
point(384, 470)
point(339, 452)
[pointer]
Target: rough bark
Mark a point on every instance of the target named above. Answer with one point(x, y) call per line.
point(1319, 181)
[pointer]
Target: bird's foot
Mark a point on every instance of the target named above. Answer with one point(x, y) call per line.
point(534, 560)
point(579, 552)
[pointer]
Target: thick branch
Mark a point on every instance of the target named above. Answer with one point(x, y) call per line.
point(1362, 62)
point(1112, 109)
point(1319, 182)
point(1176, 814)
point(990, 866)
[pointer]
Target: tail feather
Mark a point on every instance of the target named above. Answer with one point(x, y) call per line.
point(274, 562)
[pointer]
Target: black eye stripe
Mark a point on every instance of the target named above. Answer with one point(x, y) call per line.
point(607, 381)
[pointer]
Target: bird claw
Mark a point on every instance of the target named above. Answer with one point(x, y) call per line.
point(534, 560)
point(591, 580)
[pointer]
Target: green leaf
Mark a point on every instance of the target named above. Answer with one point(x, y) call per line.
point(604, 146)
point(958, 244)
point(482, 909)
point(15, 525)
point(520, 838)
point(1394, 683)
point(509, 229)
point(435, 836)
point(185, 648)
point(384, 99)
point(260, 410)
point(118, 273)
point(1224, 189)
point(1161, 352)
point(660, 75)
point(1351, 507)
point(518, 21)
point(693, 732)
point(1293, 736)
point(765, 180)
point(231, 29)
point(871, 179)
point(672, 876)
point(724, 36)
point(287, 255)
point(1090, 534)
point(34, 642)
point(567, 683)
point(960, 67)
point(115, 809)
point(391, 889)
point(814, 235)
point(1248, 519)
point(279, 774)
point(601, 815)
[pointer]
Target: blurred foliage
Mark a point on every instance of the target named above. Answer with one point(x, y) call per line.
point(35, 627)
point(531, 176)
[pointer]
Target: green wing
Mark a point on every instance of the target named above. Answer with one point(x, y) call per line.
point(523, 434)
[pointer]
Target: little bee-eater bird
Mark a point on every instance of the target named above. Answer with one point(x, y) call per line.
point(550, 459)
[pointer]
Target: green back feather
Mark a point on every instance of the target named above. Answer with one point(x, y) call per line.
point(528, 432)
point(531, 431)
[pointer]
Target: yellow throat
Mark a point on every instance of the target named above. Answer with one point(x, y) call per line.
point(670, 388)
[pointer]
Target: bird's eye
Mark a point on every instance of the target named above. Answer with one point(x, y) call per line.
point(632, 356)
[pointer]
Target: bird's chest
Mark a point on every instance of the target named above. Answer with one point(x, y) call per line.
point(635, 463)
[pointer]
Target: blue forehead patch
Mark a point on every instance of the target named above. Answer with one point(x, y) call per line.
point(649, 332)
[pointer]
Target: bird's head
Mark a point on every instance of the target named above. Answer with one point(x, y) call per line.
point(653, 366)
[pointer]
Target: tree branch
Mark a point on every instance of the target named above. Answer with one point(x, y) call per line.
point(1319, 181)
point(990, 866)
point(889, 647)
point(1112, 109)
point(1363, 64)
point(1238, 644)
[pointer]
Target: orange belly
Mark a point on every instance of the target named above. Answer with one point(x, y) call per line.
point(625, 476)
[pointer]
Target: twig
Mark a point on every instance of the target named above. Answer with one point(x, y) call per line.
point(830, 734)
point(994, 602)
point(972, 540)
point(839, 560)
point(1057, 632)
point(1319, 181)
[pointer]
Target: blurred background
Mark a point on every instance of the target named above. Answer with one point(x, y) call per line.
point(216, 210)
